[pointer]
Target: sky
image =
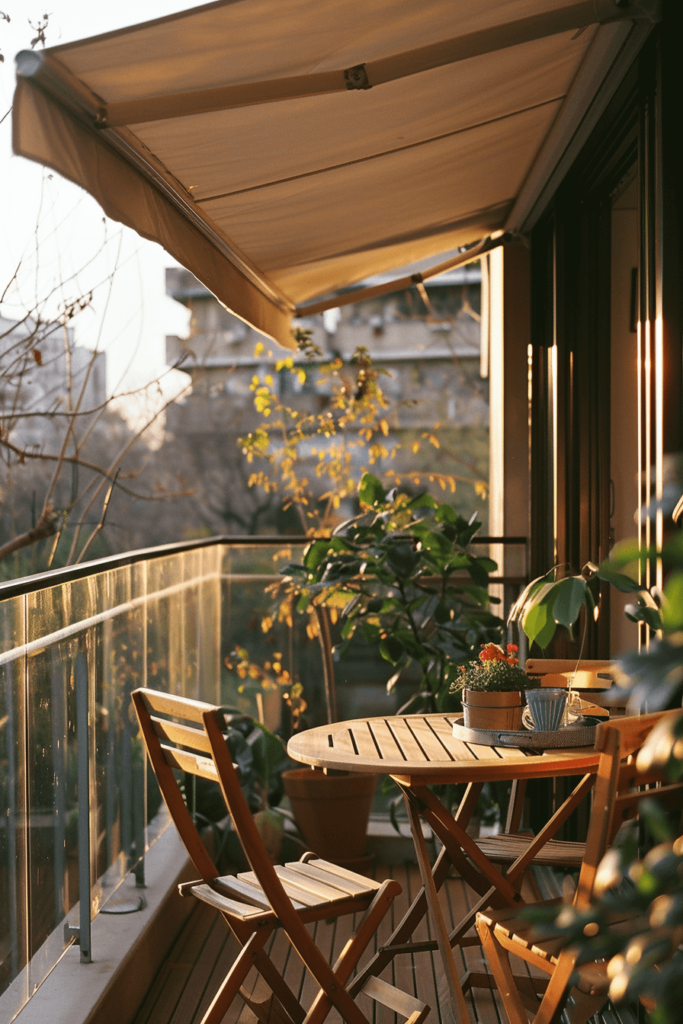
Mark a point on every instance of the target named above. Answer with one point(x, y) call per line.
point(58, 233)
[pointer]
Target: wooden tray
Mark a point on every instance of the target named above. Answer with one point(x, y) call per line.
point(580, 733)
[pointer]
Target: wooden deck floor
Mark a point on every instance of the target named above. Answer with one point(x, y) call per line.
point(204, 951)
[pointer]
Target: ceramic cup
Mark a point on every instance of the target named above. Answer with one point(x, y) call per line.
point(545, 707)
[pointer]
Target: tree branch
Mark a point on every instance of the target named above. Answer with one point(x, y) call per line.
point(45, 527)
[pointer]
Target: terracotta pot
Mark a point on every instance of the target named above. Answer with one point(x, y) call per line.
point(493, 709)
point(332, 811)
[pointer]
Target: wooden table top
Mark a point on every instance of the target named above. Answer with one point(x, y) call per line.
point(421, 750)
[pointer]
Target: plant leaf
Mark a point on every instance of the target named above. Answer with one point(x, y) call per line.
point(422, 501)
point(570, 595)
point(519, 608)
point(370, 491)
point(619, 580)
point(538, 622)
point(672, 611)
point(391, 649)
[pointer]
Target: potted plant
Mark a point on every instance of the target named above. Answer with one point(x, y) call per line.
point(331, 811)
point(493, 688)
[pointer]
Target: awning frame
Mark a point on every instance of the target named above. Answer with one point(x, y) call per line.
point(55, 96)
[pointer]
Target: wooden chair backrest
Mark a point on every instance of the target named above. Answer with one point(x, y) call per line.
point(173, 731)
point(204, 752)
point(560, 671)
point(616, 796)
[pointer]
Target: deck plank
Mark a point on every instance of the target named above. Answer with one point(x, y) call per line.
point(167, 988)
point(216, 938)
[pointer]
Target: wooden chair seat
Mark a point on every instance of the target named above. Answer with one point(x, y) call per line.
point(312, 884)
point(520, 936)
point(505, 848)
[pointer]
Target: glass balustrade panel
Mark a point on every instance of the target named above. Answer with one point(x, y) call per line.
point(14, 886)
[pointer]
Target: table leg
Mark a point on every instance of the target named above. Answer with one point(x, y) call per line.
point(458, 1004)
point(399, 941)
point(481, 874)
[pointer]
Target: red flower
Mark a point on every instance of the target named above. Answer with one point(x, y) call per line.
point(491, 652)
point(512, 648)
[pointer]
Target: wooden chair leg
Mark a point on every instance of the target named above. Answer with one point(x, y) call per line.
point(516, 805)
point(281, 990)
point(502, 972)
point(557, 988)
point(527, 986)
point(246, 959)
point(401, 935)
point(354, 948)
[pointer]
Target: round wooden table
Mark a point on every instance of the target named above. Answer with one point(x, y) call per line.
point(419, 751)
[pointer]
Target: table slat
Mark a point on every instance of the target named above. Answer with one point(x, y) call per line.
point(367, 748)
point(430, 743)
point(508, 753)
point(387, 741)
point(407, 742)
point(444, 730)
point(342, 741)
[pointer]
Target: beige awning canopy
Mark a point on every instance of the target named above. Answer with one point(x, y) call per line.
point(284, 149)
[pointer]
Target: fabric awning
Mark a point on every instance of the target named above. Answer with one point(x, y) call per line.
point(285, 149)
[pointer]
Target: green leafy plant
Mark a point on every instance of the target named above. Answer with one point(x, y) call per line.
point(495, 669)
point(403, 575)
point(654, 675)
point(552, 600)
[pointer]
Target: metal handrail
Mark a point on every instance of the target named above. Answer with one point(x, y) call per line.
point(70, 573)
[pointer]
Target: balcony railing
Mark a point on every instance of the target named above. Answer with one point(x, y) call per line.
point(80, 809)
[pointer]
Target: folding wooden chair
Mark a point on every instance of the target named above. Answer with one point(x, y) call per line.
point(255, 903)
point(503, 931)
point(508, 845)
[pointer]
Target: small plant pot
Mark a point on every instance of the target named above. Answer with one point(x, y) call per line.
point(493, 709)
point(332, 811)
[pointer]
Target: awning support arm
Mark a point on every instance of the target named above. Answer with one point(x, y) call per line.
point(472, 252)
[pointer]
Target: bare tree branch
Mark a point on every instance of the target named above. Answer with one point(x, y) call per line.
point(45, 527)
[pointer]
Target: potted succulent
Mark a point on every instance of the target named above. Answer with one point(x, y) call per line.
point(493, 688)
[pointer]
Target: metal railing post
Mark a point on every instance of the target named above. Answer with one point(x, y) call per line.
point(139, 816)
point(83, 768)
point(12, 858)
